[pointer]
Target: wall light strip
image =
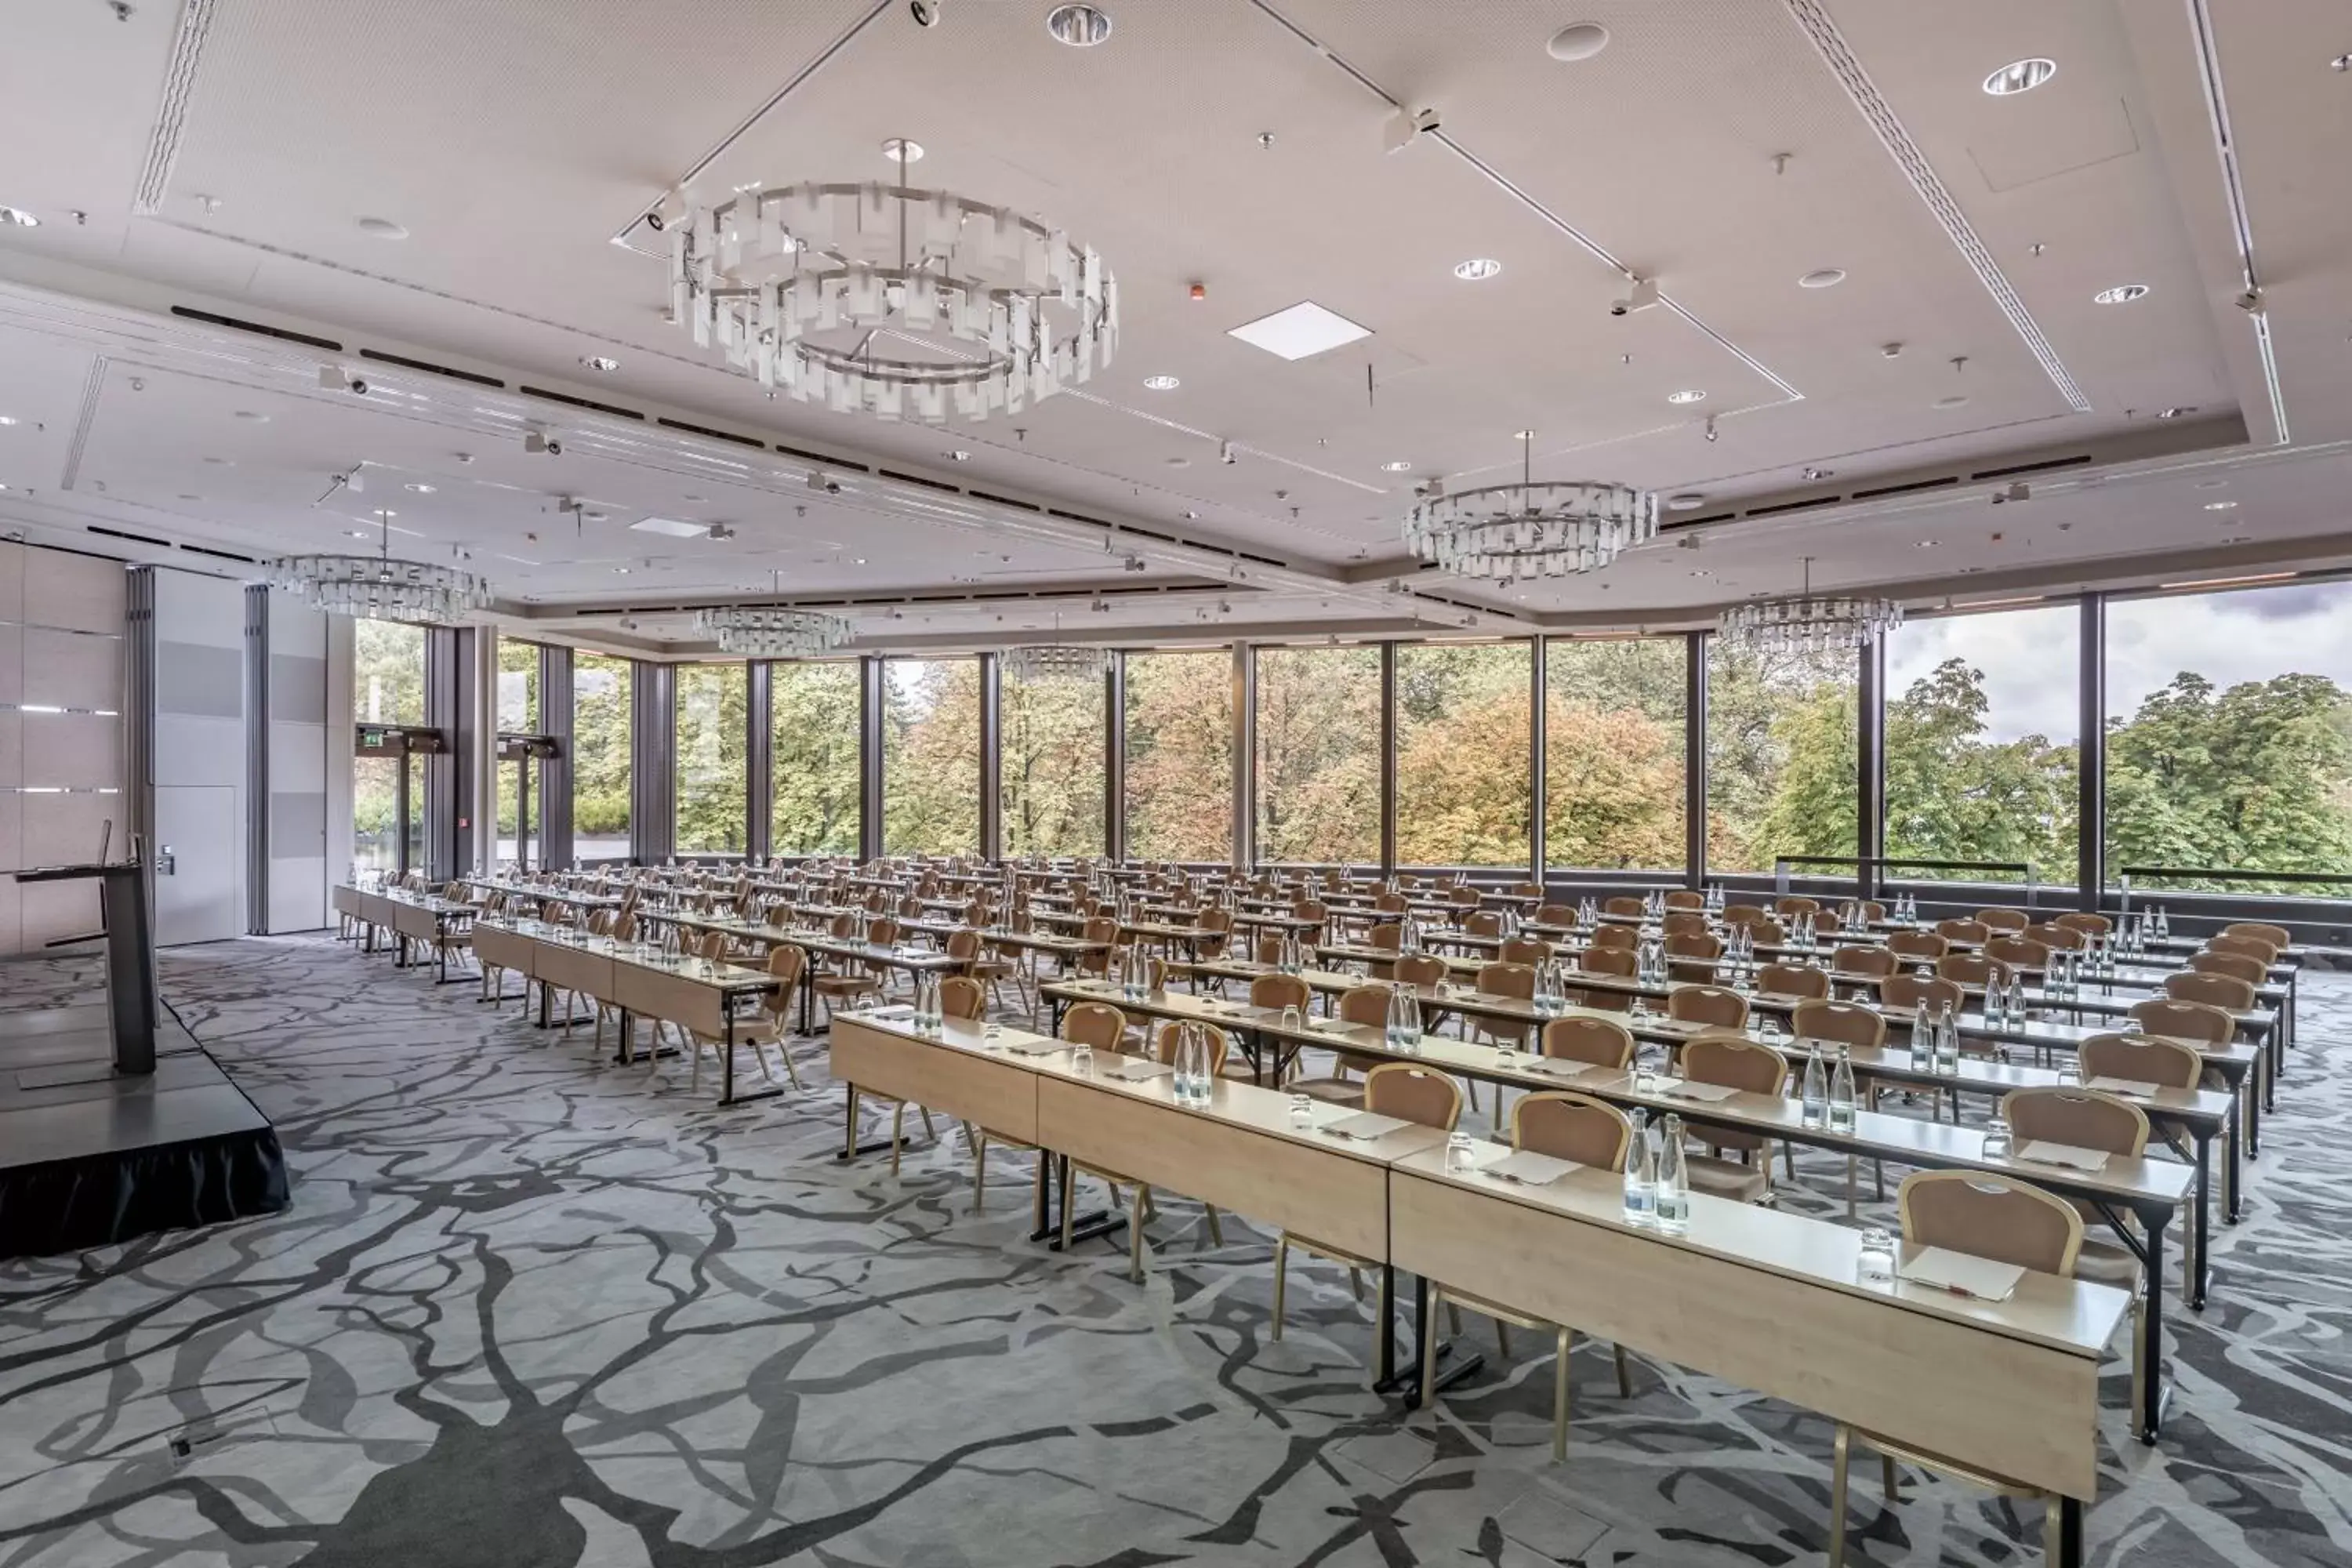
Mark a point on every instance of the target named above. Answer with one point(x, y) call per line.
point(2232, 582)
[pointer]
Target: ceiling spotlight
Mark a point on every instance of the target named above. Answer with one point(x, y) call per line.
point(1477, 269)
point(1225, 453)
point(2341, 63)
point(17, 217)
point(2178, 412)
point(1822, 277)
point(1161, 383)
point(1080, 26)
point(2121, 294)
point(382, 228)
point(1687, 394)
point(901, 150)
point(959, 457)
point(1710, 427)
point(600, 362)
point(1398, 467)
point(1821, 473)
point(2021, 76)
point(2221, 506)
point(1923, 543)
point(423, 490)
point(620, 571)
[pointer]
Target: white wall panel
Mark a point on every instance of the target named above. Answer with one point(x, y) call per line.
point(200, 757)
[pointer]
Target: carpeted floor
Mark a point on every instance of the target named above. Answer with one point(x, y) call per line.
point(527, 1312)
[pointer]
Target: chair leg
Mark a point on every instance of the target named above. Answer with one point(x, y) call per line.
point(2139, 1359)
point(1560, 1398)
point(1281, 1270)
point(1356, 1284)
point(928, 1130)
point(1889, 1482)
point(1788, 1160)
point(1135, 1235)
point(1625, 1382)
point(897, 1134)
point(2050, 1530)
point(1216, 1231)
point(1839, 1452)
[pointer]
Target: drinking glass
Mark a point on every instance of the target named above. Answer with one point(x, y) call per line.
point(1290, 1018)
point(1875, 1264)
point(1457, 1151)
point(1302, 1109)
point(1996, 1138)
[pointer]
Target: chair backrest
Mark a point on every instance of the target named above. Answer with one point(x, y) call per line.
point(961, 997)
point(1100, 928)
point(2222, 991)
point(1463, 897)
point(2053, 936)
point(1412, 1094)
point(1268, 948)
point(1796, 904)
point(1571, 1127)
point(1622, 936)
point(1846, 1023)
point(1735, 1062)
point(1280, 991)
point(1745, 914)
point(1678, 922)
point(1482, 923)
point(1555, 915)
point(1908, 991)
point(1970, 969)
point(1365, 1004)
point(1388, 936)
point(2252, 946)
point(1622, 906)
point(1525, 949)
point(1709, 1005)
point(2017, 951)
point(1599, 1041)
point(2085, 1118)
point(2199, 1021)
point(1959, 930)
point(1215, 920)
point(1874, 962)
point(2237, 965)
point(2003, 919)
point(1685, 899)
point(2140, 1058)
point(1693, 944)
point(1508, 978)
point(845, 924)
point(1166, 1036)
point(1420, 969)
point(2086, 922)
point(1792, 980)
point(963, 944)
point(1621, 961)
point(1917, 945)
point(882, 932)
point(1096, 1024)
point(2279, 937)
point(1988, 1214)
point(712, 945)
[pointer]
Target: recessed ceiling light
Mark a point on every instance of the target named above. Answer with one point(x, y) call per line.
point(1822, 277)
point(423, 490)
point(1080, 26)
point(1955, 400)
point(600, 362)
point(1478, 269)
point(7, 419)
point(620, 571)
point(899, 150)
point(1820, 473)
point(1523, 435)
point(2121, 294)
point(860, 560)
point(1924, 543)
point(17, 217)
point(1578, 41)
point(2179, 413)
point(1162, 383)
point(382, 228)
point(185, 496)
point(2020, 76)
point(955, 456)
point(672, 527)
point(249, 414)
point(356, 534)
point(1304, 330)
point(2221, 506)
point(1687, 500)
point(1397, 468)
point(1688, 395)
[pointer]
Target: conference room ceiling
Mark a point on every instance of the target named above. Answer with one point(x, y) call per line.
point(219, 161)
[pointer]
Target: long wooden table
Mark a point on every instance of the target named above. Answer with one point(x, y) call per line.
point(410, 917)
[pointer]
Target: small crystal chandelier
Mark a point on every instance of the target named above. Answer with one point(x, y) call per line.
point(378, 588)
point(1514, 533)
point(756, 631)
point(1055, 661)
point(1807, 623)
point(906, 304)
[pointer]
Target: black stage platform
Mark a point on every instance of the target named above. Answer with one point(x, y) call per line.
point(89, 1158)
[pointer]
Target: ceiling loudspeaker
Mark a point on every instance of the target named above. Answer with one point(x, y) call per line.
point(926, 13)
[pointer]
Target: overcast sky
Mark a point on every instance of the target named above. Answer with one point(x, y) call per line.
point(2028, 656)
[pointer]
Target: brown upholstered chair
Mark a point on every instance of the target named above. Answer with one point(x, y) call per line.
point(1524, 950)
point(1917, 946)
point(1608, 935)
point(2222, 991)
point(1603, 1042)
point(1861, 963)
point(2018, 953)
point(1621, 906)
point(2278, 936)
point(1795, 904)
point(1908, 993)
point(1360, 1004)
point(1959, 931)
point(1733, 1062)
point(2252, 946)
point(2237, 965)
point(1620, 962)
point(1692, 955)
point(1792, 980)
point(1678, 922)
point(1685, 899)
point(1709, 1005)
point(2003, 919)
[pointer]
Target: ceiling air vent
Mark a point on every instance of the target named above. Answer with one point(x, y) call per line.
point(133, 538)
point(845, 464)
point(756, 445)
point(429, 368)
point(996, 499)
point(590, 403)
point(1914, 488)
point(233, 325)
point(217, 554)
point(2044, 466)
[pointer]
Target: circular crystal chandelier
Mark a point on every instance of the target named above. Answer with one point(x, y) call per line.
point(1513, 532)
point(1809, 623)
point(759, 632)
point(378, 588)
point(903, 304)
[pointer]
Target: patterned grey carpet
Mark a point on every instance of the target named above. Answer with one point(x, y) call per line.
point(530, 1312)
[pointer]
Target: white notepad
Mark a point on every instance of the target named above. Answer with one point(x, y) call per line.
point(1034, 1046)
point(1683, 1089)
point(1329, 1026)
point(1528, 1168)
point(1963, 1274)
point(2126, 1086)
point(1551, 1067)
point(1364, 1126)
point(1136, 1069)
point(901, 1011)
point(2043, 1152)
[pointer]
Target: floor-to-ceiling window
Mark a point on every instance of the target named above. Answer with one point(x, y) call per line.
point(600, 756)
point(387, 687)
point(1462, 784)
point(1050, 766)
point(1180, 756)
point(518, 715)
point(1614, 769)
point(930, 756)
point(1982, 715)
point(1780, 758)
point(1318, 755)
point(813, 755)
point(2230, 736)
point(712, 761)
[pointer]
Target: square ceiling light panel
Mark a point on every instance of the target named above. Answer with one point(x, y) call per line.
point(1305, 329)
